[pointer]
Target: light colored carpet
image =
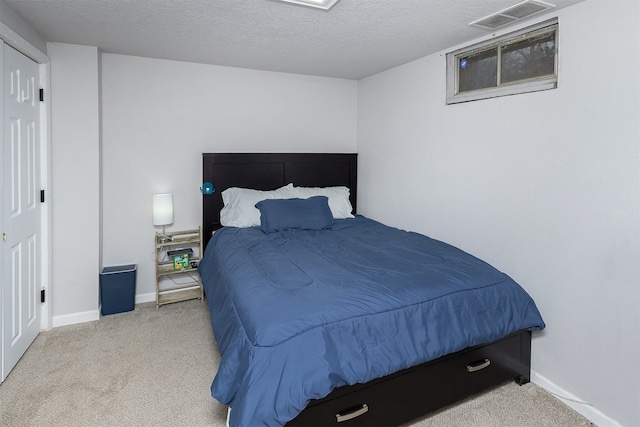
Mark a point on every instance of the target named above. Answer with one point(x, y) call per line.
point(153, 367)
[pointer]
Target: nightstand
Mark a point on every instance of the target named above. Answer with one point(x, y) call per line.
point(177, 277)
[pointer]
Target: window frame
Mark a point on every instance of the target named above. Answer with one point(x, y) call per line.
point(502, 89)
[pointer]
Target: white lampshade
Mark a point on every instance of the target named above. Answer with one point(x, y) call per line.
point(162, 209)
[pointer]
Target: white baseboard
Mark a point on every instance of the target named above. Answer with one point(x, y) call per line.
point(70, 319)
point(584, 408)
point(141, 298)
point(90, 316)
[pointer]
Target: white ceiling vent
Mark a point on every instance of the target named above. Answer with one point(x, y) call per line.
point(318, 4)
point(511, 14)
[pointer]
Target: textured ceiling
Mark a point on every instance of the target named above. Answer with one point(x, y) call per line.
point(355, 39)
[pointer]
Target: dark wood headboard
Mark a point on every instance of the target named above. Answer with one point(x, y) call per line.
point(268, 171)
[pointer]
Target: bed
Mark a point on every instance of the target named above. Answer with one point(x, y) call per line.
point(330, 318)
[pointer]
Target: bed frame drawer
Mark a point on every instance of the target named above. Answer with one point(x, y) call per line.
point(414, 392)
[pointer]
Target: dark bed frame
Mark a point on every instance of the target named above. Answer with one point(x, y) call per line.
point(402, 396)
point(268, 171)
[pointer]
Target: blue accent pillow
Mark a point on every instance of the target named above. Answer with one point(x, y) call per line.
point(297, 214)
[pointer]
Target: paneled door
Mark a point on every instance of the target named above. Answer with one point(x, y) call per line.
point(21, 222)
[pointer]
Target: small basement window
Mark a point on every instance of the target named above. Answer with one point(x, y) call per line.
point(520, 62)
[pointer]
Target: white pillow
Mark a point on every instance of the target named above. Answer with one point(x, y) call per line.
point(338, 199)
point(240, 205)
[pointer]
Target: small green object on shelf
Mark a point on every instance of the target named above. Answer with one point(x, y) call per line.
point(180, 258)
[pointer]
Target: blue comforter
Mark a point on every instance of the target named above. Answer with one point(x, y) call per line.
point(299, 313)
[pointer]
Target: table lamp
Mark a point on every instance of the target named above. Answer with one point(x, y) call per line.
point(163, 211)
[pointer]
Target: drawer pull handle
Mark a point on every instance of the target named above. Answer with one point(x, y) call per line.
point(476, 366)
point(351, 413)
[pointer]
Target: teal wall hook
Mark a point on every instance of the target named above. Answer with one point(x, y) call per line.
point(207, 188)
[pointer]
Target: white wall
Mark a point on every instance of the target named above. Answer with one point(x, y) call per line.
point(21, 28)
point(544, 186)
point(160, 116)
point(75, 189)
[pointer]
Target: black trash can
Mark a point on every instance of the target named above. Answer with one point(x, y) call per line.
point(118, 288)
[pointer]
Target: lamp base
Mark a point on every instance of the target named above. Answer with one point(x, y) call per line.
point(164, 238)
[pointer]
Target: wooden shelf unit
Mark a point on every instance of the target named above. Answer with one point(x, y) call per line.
point(191, 284)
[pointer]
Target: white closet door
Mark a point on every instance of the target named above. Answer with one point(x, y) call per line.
point(20, 278)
